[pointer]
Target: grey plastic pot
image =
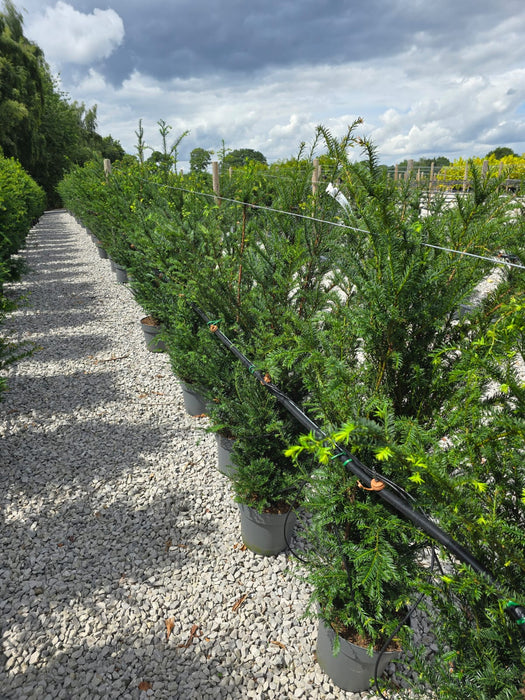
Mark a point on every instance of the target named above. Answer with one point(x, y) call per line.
point(151, 331)
point(264, 533)
point(101, 250)
point(224, 455)
point(121, 273)
point(352, 668)
point(194, 403)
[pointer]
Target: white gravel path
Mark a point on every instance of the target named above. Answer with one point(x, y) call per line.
point(115, 518)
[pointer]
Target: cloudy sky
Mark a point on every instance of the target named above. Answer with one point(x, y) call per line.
point(429, 78)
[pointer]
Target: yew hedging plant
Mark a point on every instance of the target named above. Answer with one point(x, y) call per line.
point(466, 472)
point(255, 273)
point(419, 377)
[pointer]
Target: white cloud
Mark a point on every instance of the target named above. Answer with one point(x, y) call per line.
point(69, 36)
point(464, 116)
point(431, 97)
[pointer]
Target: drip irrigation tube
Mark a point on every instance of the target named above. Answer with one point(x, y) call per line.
point(515, 612)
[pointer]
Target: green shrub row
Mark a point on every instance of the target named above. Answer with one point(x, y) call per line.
point(21, 204)
point(378, 316)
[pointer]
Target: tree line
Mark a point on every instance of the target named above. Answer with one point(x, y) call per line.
point(39, 125)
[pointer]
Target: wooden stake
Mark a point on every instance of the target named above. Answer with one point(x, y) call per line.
point(315, 176)
point(215, 179)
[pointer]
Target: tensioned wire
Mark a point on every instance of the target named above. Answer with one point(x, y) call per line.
point(330, 223)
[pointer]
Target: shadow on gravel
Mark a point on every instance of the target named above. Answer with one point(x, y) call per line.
point(95, 568)
point(57, 287)
point(57, 274)
point(122, 670)
point(72, 347)
point(63, 392)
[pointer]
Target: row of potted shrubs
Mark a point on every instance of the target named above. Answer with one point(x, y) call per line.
point(360, 311)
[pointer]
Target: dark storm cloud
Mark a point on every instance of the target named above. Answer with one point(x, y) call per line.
point(199, 37)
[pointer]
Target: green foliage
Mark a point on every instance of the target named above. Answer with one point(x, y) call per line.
point(500, 152)
point(200, 159)
point(241, 156)
point(263, 478)
point(38, 125)
point(22, 70)
point(399, 288)
point(167, 158)
point(21, 203)
point(362, 557)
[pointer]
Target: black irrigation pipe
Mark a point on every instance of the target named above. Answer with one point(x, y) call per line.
point(514, 611)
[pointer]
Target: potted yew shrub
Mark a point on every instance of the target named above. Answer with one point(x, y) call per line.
point(264, 482)
point(386, 352)
point(361, 559)
point(475, 487)
point(278, 263)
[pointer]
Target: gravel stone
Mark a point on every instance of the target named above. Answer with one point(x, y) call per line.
point(101, 469)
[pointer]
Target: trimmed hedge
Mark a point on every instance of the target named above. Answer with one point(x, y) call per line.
point(22, 201)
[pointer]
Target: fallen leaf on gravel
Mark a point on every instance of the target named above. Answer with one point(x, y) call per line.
point(193, 634)
point(279, 644)
point(167, 545)
point(110, 359)
point(170, 624)
point(144, 685)
point(239, 602)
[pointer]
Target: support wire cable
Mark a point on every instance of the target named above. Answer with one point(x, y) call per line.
point(339, 224)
